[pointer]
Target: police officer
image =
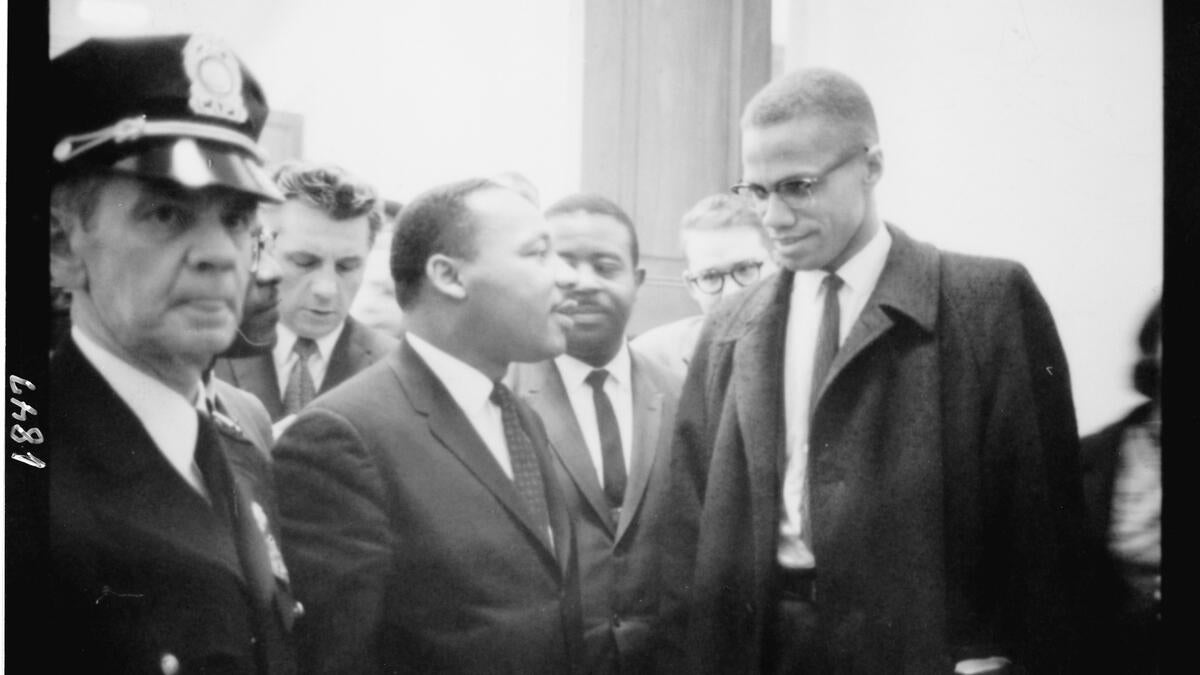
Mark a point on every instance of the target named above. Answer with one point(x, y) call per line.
point(164, 557)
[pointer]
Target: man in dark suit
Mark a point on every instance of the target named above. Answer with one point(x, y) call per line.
point(876, 460)
point(422, 521)
point(163, 552)
point(321, 237)
point(609, 412)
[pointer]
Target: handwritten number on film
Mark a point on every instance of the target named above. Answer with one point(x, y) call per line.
point(20, 433)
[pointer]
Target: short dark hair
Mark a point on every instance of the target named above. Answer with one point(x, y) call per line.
point(435, 221)
point(331, 189)
point(814, 92)
point(587, 202)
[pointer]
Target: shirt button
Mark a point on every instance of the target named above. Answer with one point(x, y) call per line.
point(169, 664)
point(253, 640)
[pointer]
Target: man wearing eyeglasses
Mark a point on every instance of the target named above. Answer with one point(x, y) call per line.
point(725, 249)
point(875, 461)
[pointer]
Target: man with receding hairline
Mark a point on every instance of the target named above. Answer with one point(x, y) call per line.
point(421, 514)
point(875, 465)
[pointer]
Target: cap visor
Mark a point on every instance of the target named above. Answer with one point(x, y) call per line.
point(198, 164)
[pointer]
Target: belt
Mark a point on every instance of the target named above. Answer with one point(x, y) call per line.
point(797, 584)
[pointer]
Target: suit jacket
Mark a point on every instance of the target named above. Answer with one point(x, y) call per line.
point(410, 547)
point(356, 348)
point(619, 562)
point(671, 345)
point(144, 571)
point(945, 500)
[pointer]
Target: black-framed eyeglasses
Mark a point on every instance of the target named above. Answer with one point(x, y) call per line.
point(263, 239)
point(712, 281)
point(796, 191)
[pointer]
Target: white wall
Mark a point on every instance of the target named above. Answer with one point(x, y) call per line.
point(407, 93)
point(1028, 130)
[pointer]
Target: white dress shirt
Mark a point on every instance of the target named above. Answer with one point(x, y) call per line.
point(471, 390)
point(168, 417)
point(285, 356)
point(807, 302)
point(619, 388)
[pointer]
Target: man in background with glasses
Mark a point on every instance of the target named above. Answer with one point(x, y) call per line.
point(875, 463)
point(725, 250)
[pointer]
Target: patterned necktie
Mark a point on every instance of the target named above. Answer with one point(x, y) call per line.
point(300, 389)
point(527, 475)
point(610, 441)
point(827, 338)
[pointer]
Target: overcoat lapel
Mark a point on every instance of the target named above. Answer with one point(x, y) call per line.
point(758, 394)
point(908, 285)
point(451, 427)
point(647, 420)
point(545, 389)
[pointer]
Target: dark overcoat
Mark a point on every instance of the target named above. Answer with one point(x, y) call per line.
point(945, 497)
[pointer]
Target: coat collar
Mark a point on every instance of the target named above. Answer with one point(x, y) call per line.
point(754, 327)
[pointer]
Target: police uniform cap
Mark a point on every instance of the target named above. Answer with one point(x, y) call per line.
point(178, 107)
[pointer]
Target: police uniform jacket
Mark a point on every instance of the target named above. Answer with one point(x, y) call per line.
point(146, 576)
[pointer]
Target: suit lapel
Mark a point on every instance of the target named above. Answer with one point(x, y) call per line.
point(343, 359)
point(545, 391)
point(560, 516)
point(453, 430)
point(647, 422)
point(257, 533)
point(256, 374)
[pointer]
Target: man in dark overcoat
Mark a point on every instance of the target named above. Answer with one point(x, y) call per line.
point(875, 463)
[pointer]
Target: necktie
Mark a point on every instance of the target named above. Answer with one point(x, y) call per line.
point(527, 475)
point(300, 389)
point(610, 441)
point(827, 338)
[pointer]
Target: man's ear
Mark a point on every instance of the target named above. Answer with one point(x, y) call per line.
point(874, 165)
point(443, 273)
point(66, 266)
point(639, 277)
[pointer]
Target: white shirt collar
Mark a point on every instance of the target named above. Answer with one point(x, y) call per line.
point(468, 386)
point(859, 274)
point(318, 364)
point(574, 371)
point(168, 417)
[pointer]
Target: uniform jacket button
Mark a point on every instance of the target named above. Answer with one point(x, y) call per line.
point(297, 610)
point(616, 621)
point(169, 664)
